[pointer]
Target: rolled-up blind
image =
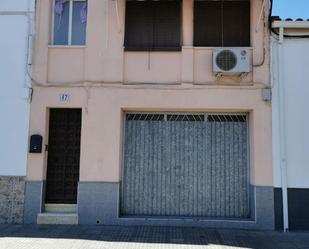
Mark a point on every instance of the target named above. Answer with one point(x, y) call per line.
point(222, 23)
point(152, 25)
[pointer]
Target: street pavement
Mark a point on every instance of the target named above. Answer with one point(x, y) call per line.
point(138, 237)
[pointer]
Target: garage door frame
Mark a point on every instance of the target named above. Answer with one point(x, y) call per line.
point(250, 194)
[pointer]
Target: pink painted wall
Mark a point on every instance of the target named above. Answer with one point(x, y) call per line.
point(101, 68)
point(103, 57)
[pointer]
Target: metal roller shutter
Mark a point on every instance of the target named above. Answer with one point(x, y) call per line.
point(193, 165)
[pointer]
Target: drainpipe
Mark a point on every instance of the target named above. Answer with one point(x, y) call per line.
point(282, 131)
point(30, 23)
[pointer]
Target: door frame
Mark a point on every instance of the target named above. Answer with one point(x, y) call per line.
point(46, 150)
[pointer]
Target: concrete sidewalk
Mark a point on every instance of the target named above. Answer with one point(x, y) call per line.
point(112, 237)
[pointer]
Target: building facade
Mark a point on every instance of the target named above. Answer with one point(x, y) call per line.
point(290, 135)
point(16, 18)
point(137, 126)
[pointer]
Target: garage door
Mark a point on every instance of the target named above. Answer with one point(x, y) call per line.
point(193, 165)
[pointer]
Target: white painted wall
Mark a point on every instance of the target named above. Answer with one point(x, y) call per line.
point(14, 93)
point(295, 69)
point(15, 5)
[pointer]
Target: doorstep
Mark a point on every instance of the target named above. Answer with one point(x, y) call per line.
point(62, 214)
point(60, 208)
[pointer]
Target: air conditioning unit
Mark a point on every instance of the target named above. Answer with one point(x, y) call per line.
point(231, 60)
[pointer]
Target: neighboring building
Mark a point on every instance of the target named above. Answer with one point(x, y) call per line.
point(138, 128)
point(16, 26)
point(290, 60)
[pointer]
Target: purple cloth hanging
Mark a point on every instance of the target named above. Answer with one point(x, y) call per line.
point(83, 12)
point(59, 7)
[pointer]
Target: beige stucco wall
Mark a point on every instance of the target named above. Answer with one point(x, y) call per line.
point(102, 123)
point(103, 57)
point(176, 81)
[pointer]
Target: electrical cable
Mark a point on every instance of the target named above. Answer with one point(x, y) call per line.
point(151, 86)
point(264, 35)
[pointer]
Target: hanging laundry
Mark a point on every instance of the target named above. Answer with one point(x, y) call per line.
point(83, 12)
point(59, 7)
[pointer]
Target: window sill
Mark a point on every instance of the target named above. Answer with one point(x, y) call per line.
point(211, 48)
point(67, 46)
point(159, 49)
point(176, 49)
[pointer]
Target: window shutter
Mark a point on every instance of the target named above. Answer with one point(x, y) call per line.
point(139, 25)
point(207, 23)
point(166, 34)
point(222, 23)
point(153, 25)
point(236, 23)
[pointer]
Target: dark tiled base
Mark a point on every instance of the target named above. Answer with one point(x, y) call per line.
point(33, 200)
point(98, 204)
point(298, 205)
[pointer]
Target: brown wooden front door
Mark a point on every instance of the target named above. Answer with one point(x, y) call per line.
point(63, 156)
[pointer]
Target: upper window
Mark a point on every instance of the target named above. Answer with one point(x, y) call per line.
point(153, 25)
point(222, 23)
point(70, 17)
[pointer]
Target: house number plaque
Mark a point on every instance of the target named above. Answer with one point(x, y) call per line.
point(64, 97)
